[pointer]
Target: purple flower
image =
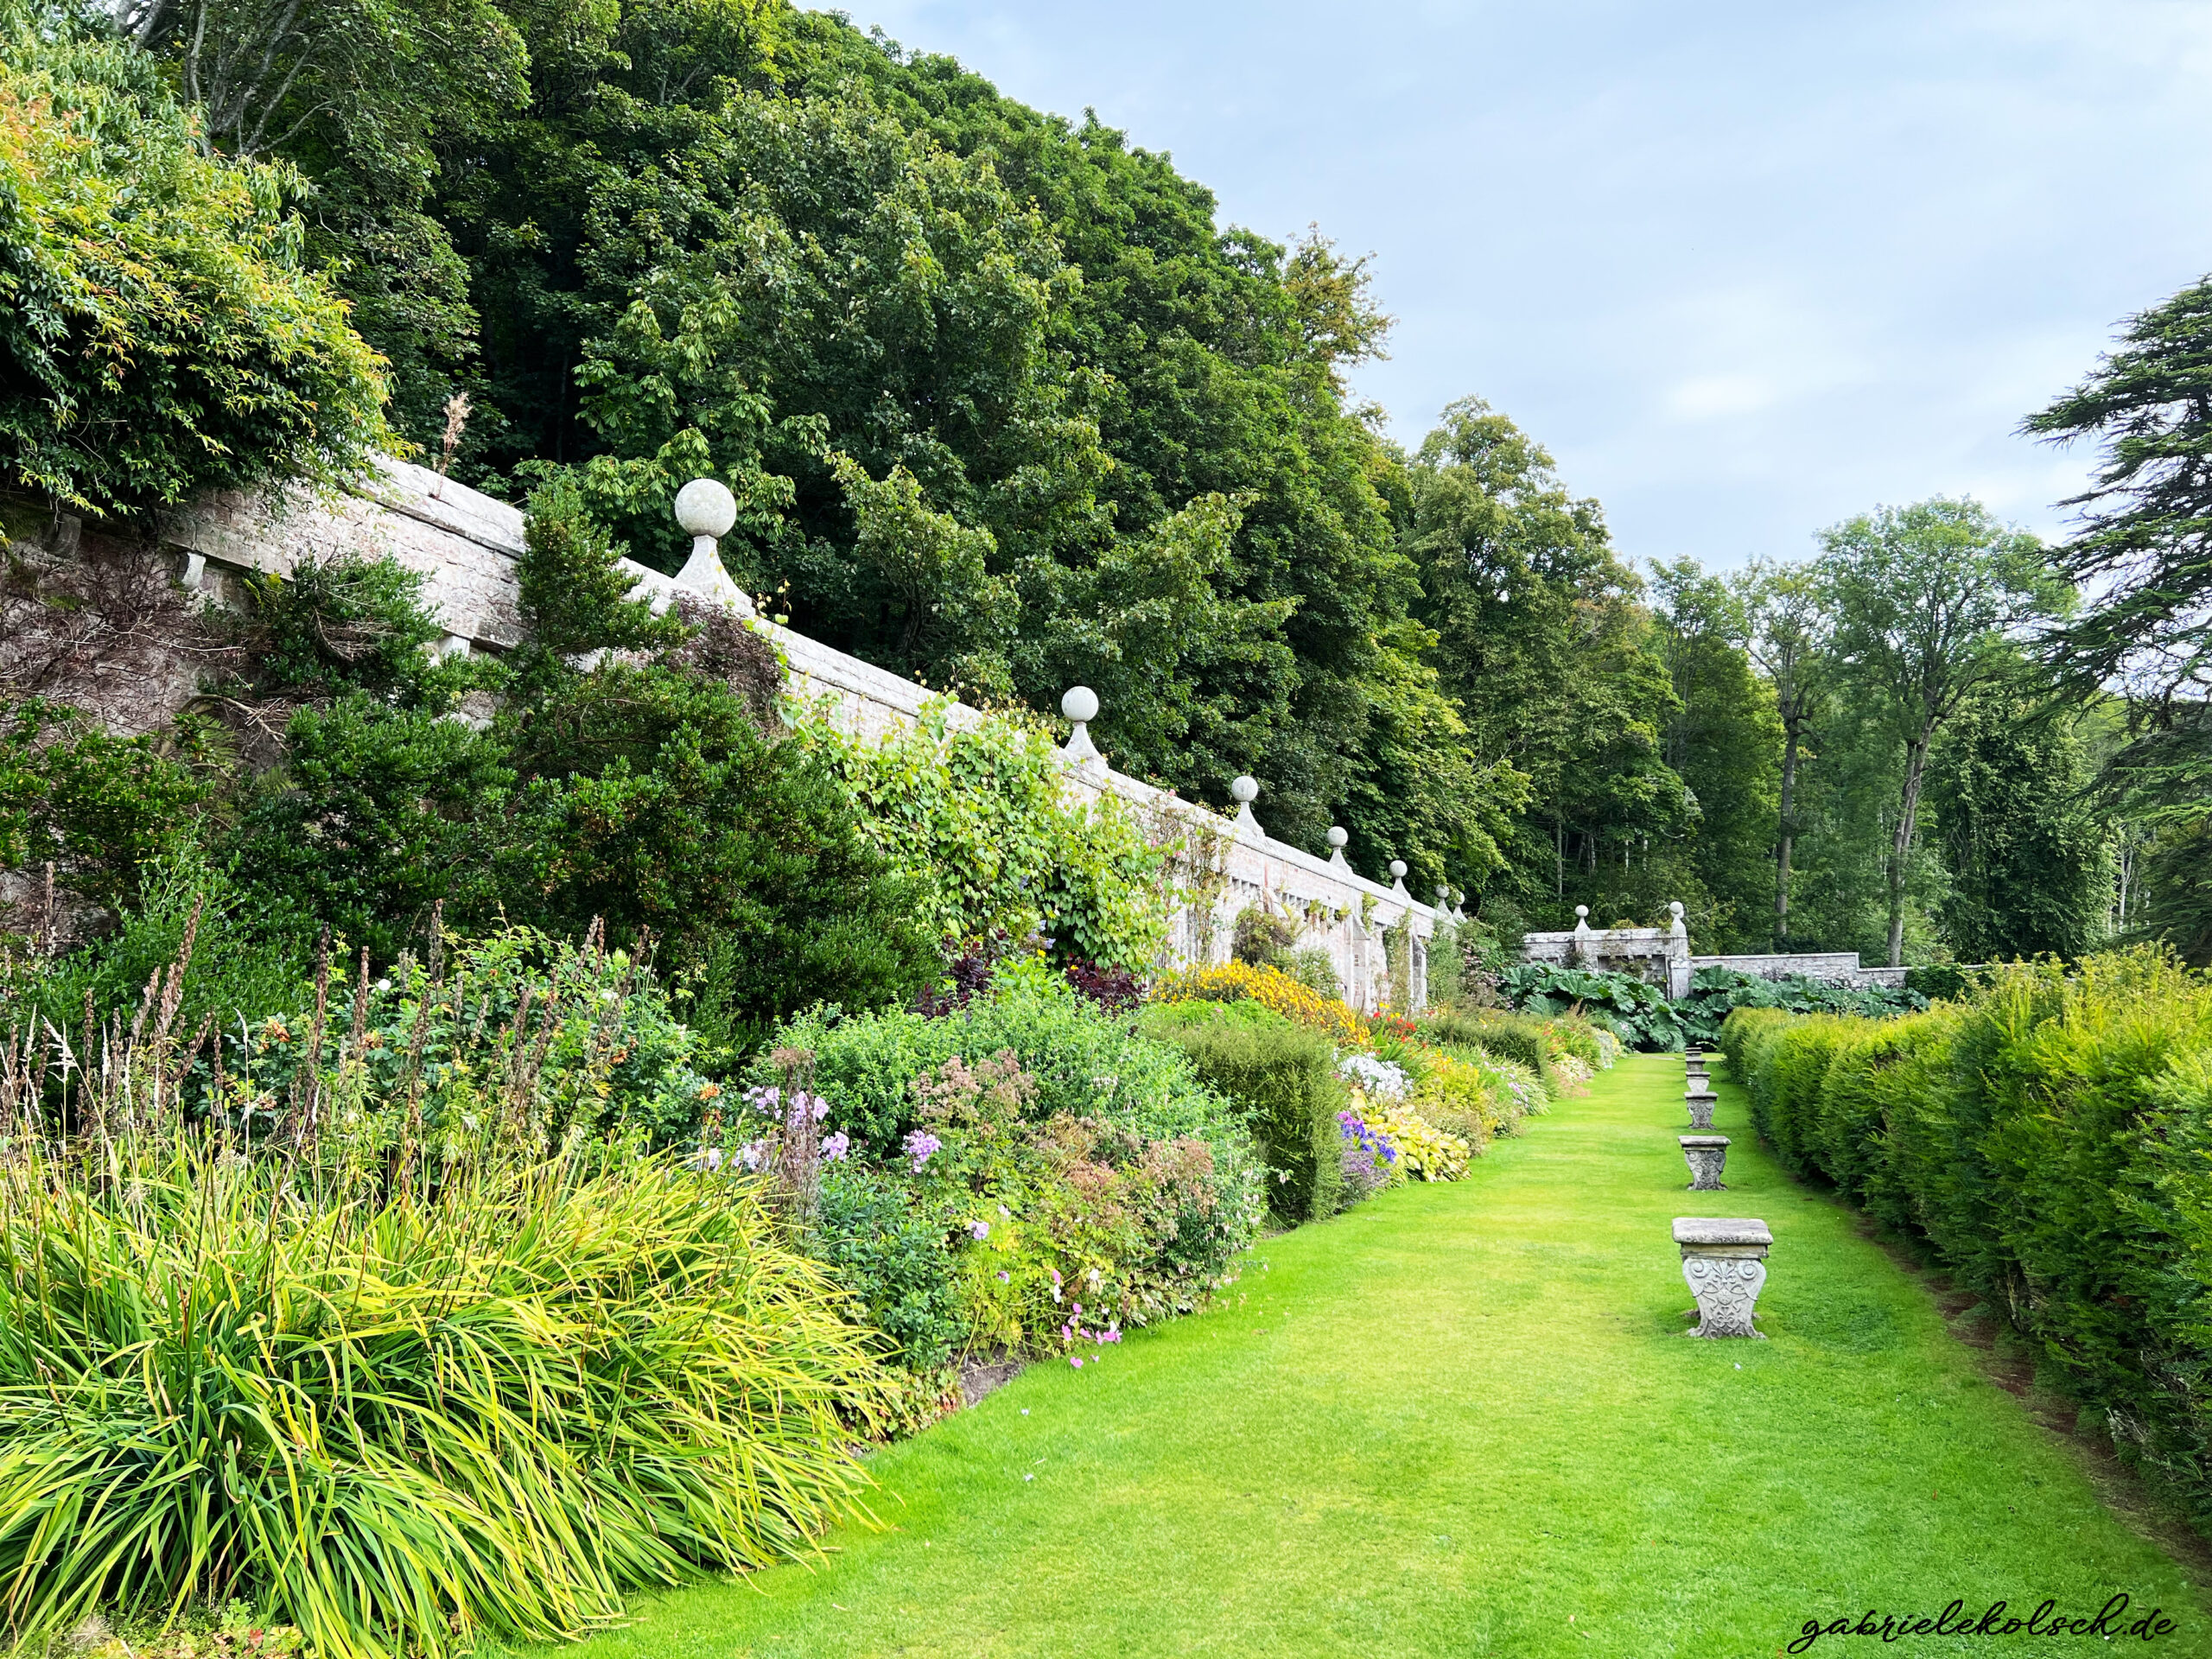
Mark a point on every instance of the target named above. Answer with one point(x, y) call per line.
point(833, 1148)
point(821, 1109)
point(1005, 1278)
point(1076, 1360)
point(919, 1145)
point(979, 1231)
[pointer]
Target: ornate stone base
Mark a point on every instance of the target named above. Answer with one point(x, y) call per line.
point(1708, 1158)
point(1724, 1259)
point(1701, 1111)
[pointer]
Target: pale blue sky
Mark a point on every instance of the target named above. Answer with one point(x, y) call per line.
point(1744, 269)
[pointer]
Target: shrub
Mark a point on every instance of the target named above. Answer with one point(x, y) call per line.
point(400, 1406)
point(1279, 1076)
point(2046, 1134)
point(159, 335)
point(1057, 1155)
point(1509, 1037)
point(1636, 1010)
point(974, 817)
point(1239, 981)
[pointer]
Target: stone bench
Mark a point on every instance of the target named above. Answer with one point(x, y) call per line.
point(1723, 1259)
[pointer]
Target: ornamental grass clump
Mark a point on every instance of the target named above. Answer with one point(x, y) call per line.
point(402, 1397)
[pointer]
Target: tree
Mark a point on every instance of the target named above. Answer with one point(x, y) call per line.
point(2143, 554)
point(1552, 667)
point(1926, 601)
point(2029, 858)
point(1786, 631)
point(1719, 740)
point(159, 335)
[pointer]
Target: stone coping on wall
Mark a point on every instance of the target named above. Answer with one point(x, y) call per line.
point(465, 544)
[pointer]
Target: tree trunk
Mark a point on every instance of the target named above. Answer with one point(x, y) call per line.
point(1786, 839)
point(1916, 762)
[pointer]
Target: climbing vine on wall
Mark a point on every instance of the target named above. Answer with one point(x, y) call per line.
point(976, 814)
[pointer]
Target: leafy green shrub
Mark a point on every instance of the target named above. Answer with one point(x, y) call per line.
point(1509, 1037)
point(1636, 1010)
point(895, 1255)
point(2047, 1134)
point(1715, 991)
point(1284, 1079)
point(973, 817)
point(1054, 1155)
point(159, 335)
point(400, 1400)
point(1084, 1061)
point(254, 958)
point(98, 808)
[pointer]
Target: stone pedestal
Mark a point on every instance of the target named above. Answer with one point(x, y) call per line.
point(1723, 1259)
point(1700, 1106)
point(1708, 1156)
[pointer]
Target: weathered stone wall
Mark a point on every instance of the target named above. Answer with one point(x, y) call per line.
point(465, 544)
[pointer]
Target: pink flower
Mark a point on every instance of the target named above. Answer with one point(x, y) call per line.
point(1076, 1360)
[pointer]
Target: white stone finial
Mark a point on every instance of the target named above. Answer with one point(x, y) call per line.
point(1244, 789)
point(1397, 869)
point(1582, 913)
point(1080, 704)
point(707, 510)
point(1337, 836)
point(705, 507)
point(1674, 909)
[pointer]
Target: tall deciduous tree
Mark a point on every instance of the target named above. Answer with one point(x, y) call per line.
point(1926, 601)
point(1786, 631)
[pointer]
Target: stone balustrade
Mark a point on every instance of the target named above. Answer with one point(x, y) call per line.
point(465, 546)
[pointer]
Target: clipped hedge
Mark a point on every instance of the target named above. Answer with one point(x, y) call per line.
point(1285, 1078)
point(2050, 1136)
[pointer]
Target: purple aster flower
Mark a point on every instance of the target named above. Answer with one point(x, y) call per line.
point(835, 1147)
point(979, 1231)
point(920, 1144)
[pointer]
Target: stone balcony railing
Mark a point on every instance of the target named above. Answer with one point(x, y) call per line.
point(465, 544)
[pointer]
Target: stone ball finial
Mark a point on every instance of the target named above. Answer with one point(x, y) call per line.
point(705, 507)
point(1459, 897)
point(1397, 869)
point(1246, 788)
point(1080, 703)
point(1581, 912)
point(1443, 893)
point(1338, 835)
point(1674, 909)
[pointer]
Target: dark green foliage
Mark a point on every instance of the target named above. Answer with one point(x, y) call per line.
point(97, 808)
point(891, 1255)
point(374, 815)
point(251, 956)
point(571, 589)
point(1508, 1036)
point(1284, 1079)
point(346, 623)
point(2025, 846)
point(2047, 1135)
point(1638, 1011)
point(158, 331)
point(1715, 991)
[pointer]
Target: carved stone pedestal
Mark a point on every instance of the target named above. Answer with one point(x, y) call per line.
point(1724, 1259)
point(1708, 1156)
point(1701, 1105)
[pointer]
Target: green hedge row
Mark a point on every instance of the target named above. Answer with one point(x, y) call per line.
point(2050, 1136)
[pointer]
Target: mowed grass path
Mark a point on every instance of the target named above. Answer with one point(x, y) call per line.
point(1461, 1421)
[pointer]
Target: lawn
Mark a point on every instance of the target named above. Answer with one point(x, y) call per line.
point(1461, 1420)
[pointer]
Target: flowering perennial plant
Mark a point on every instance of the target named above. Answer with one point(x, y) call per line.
point(1235, 982)
point(1380, 1079)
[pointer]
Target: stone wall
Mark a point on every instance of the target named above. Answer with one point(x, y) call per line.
point(465, 544)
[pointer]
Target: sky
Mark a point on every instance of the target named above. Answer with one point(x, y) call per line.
point(1744, 269)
